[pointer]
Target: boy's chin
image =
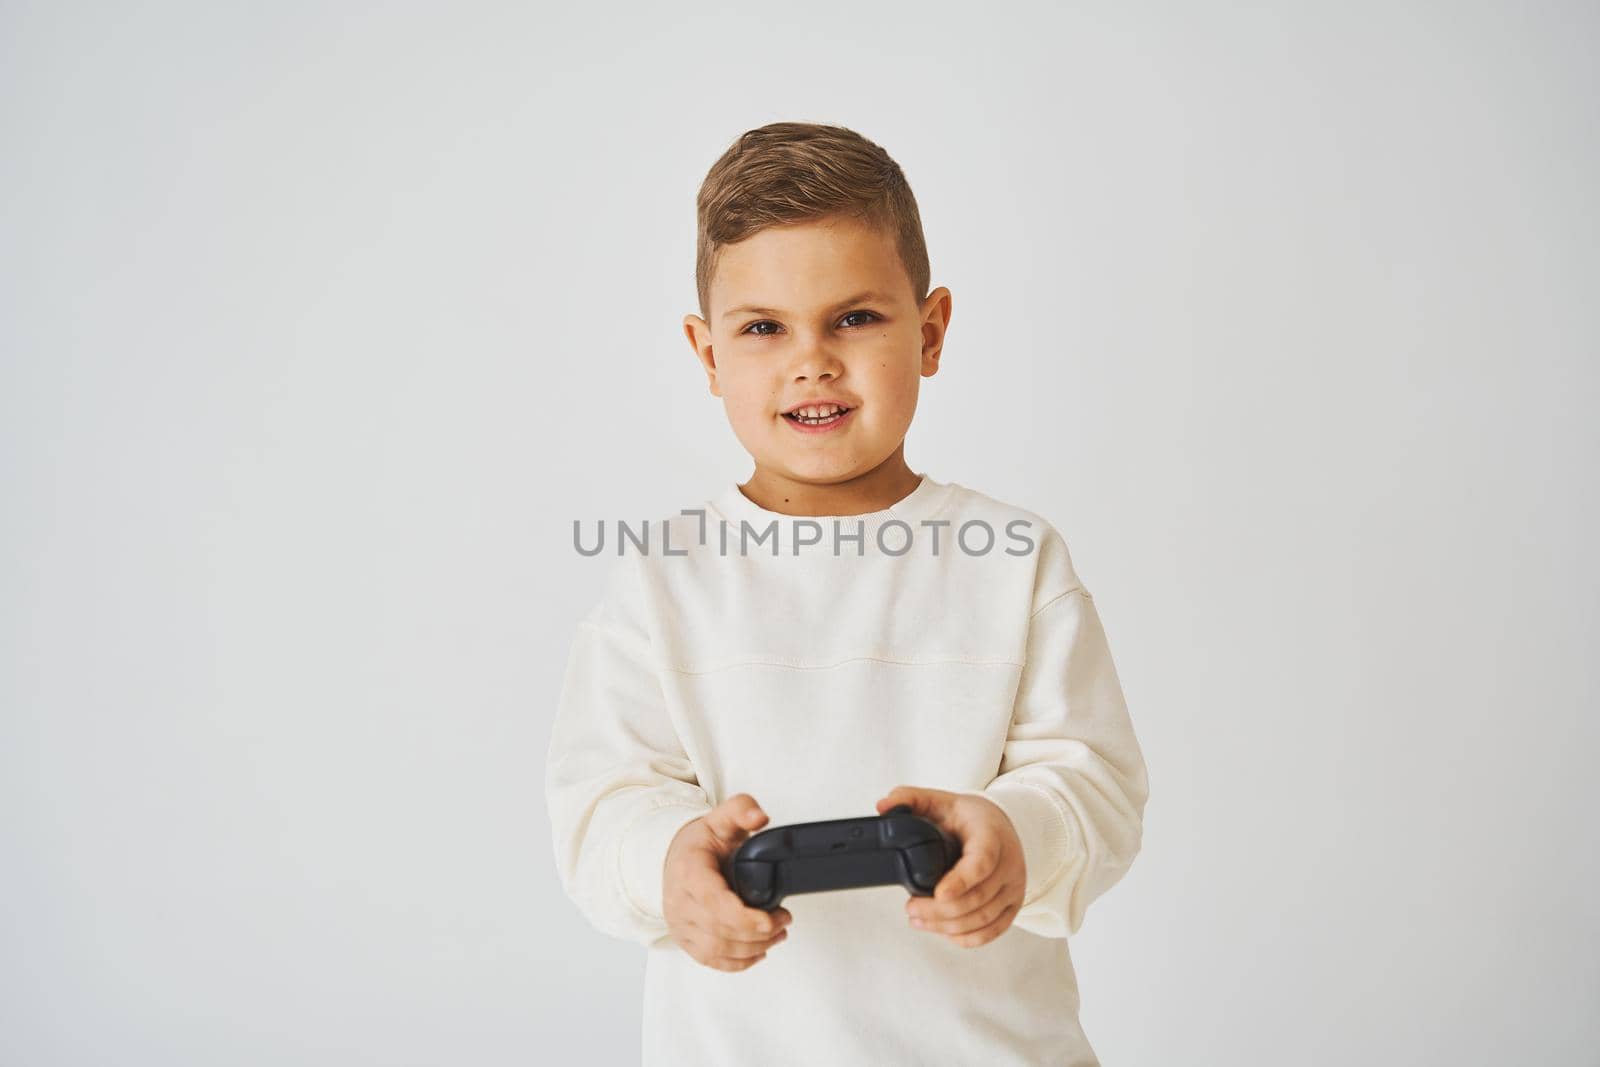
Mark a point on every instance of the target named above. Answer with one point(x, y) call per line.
point(811, 470)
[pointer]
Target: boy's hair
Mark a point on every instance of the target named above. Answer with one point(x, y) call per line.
point(788, 172)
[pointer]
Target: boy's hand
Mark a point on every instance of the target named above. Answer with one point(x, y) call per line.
point(976, 899)
point(705, 917)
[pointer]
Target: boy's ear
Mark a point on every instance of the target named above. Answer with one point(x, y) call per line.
point(699, 333)
point(935, 321)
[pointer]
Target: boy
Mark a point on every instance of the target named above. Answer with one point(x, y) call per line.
point(889, 639)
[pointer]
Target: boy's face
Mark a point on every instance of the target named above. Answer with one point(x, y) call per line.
point(790, 326)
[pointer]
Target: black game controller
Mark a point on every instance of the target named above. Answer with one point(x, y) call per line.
point(895, 847)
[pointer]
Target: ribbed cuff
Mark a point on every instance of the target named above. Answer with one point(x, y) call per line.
point(1043, 827)
point(643, 854)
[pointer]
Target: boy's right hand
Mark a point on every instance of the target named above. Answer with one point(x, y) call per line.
point(705, 917)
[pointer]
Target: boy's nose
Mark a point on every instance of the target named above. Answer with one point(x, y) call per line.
point(820, 368)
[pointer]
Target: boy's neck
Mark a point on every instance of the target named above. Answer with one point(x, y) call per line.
point(888, 483)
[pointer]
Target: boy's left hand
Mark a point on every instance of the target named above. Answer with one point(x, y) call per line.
point(976, 899)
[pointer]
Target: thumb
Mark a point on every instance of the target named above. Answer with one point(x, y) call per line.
point(734, 819)
point(929, 803)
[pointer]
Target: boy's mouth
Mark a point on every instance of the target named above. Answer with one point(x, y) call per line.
point(836, 416)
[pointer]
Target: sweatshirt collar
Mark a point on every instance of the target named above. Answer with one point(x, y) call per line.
point(922, 502)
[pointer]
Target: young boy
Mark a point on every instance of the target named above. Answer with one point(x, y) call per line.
point(836, 636)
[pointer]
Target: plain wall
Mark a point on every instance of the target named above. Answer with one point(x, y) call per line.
point(321, 324)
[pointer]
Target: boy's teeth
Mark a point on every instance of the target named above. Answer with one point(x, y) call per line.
point(818, 413)
point(811, 416)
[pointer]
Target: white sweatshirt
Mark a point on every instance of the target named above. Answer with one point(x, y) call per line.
point(816, 682)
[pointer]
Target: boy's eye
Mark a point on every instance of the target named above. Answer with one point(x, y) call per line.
point(751, 329)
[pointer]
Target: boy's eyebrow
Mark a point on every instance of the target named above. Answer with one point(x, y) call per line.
point(869, 296)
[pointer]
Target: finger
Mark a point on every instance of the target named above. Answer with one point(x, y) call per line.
point(709, 953)
point(931, 910)
point(707, 888)
point(722, 914)
point(734, 819)
point(725, 911)
point(717, 945)
point(988, 932)
point(725, 964)
point(975, 919)
point(712, 928)
point(741, 921)
point(731, 917)
point(980, 857)
point(928, 803)
point(715, 942)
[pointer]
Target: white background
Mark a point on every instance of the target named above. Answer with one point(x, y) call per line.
point(321, 325)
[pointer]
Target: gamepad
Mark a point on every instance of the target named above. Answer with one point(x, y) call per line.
point(895, 847)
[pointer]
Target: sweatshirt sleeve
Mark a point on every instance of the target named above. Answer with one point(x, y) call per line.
point(1072, 778)
point(618, 783)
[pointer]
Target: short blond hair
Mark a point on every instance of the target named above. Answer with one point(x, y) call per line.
point(787, 172)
